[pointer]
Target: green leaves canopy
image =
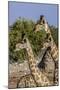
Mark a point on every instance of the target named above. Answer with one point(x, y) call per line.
point(15, 36)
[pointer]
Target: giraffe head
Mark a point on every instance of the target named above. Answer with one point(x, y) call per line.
point(42, 24)
point(21, 45)
point(42, 19)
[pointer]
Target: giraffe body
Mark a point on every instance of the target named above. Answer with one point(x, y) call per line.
point(38, 76)
point(26, 81)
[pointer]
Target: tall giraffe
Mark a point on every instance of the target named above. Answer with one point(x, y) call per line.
point(50, 43)
point(37, 78)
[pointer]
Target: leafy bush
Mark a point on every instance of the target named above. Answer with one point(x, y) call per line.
point(16, 31)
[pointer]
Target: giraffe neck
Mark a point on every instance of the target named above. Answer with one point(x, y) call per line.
point(39, 77)
point(54, 50)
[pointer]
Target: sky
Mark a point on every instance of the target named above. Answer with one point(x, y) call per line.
point(32, 11)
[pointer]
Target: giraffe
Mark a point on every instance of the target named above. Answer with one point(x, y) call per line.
point(37, 78)
point(49, 43)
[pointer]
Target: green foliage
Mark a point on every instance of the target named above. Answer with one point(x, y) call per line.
point(15, 36)
point(36, 40)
